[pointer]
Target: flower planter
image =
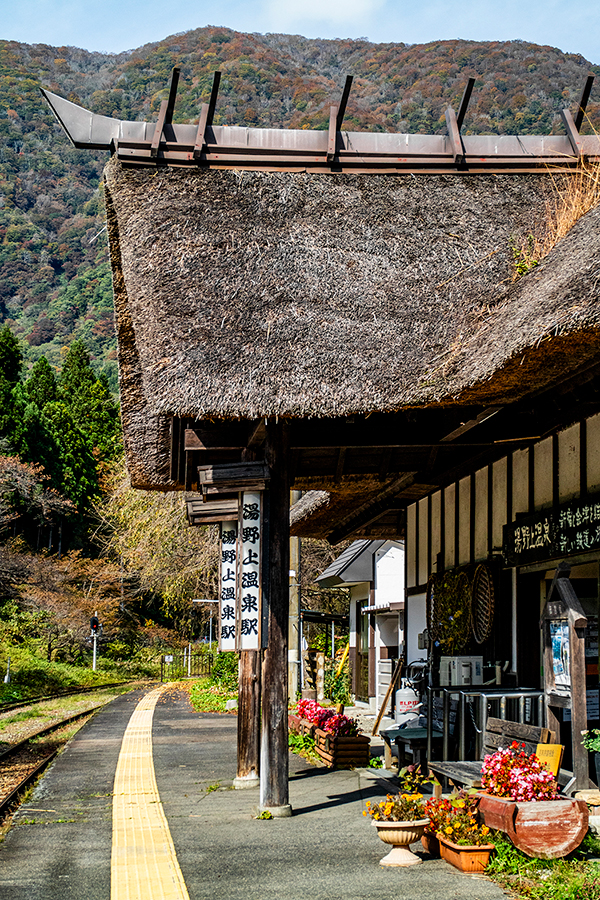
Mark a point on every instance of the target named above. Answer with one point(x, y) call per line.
point(300, 726)
point(545, 829)
point(466, 858)
point(343, 752)
point(431, 843)
point(400, 835)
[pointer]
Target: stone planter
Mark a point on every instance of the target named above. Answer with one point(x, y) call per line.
point(467, 859)
point(400, 835)
point(545, 829)
point(431, 843)
point(343, 752)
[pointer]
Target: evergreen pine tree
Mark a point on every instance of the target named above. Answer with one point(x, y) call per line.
point(41, 384)
point(11, 356)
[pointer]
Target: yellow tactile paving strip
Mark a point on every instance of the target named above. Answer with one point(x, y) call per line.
point(143, 863)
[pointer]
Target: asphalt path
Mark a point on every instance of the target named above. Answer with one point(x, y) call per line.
point(60, 844)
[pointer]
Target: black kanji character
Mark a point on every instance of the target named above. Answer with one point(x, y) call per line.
point(229, 575)
point(252, 558)
point(251, 511)
point(227, 631)
point(249, 626)
point(228, 612)
point(228, 537)
point(250, 535)
point(249, 579)
point(228, 556)
point(249, 603)
point(228, 594)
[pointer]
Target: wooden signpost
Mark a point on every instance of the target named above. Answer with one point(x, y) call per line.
point(563, 627)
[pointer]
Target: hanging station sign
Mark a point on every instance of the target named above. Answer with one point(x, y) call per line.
point(240, 592)
point(228, 592)
point(566, 530)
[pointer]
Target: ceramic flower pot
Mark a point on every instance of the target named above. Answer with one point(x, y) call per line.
point(400, 835)
point(431, 843)
point(466, 858)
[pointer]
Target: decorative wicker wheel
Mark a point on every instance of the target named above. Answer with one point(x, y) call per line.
point(432, 624)
point(482, 604)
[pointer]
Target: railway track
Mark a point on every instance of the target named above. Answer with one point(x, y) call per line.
point(21, 763)
point(30, 701)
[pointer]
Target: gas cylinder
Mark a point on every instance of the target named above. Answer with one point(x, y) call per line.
point(407, 701)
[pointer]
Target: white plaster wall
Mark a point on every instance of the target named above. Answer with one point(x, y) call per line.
point(411, 522)
point(520, 493)
point(568, 463)
point(389, 573)
point(415, 623)
point(449, 501)
point(464, 521)
point(423, 574)
point(499, 501)
point(593, 453)
point(481, 514)
point(436, 527)
point(542, 492)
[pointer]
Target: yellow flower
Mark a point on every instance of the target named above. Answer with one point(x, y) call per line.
point(485, 829)
point(364, 812)
point(460, 804)
point(448, 829)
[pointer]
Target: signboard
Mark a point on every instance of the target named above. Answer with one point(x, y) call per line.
point(593, 707)
point(228, 586)
point(250, 581)
point(571, 528)
point(559, 637)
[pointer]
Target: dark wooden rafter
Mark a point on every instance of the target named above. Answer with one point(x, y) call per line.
point(336, 117)
point(164, 143)
point(207, 112)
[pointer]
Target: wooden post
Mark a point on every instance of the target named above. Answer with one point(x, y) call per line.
point(248, 731)
point(294, 620)
point(274, 790)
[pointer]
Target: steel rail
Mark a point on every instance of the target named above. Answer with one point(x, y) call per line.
point(12, 799)
point(14, 748)
point(30, 701)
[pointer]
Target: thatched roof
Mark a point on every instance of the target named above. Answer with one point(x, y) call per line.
point(248, 294)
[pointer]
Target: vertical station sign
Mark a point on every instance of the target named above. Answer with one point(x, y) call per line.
point(250, 581)
point(228, 592)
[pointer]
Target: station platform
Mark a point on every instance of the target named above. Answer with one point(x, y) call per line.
point(140, 806)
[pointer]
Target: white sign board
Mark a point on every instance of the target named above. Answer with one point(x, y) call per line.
point(228, 586)
point(250, 580)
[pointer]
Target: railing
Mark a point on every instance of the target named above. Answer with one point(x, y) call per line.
point(175, 666)
point(474, 705)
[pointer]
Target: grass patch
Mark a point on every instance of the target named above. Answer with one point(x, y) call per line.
point(303, 745)
point(208, 697)
point(574, 878)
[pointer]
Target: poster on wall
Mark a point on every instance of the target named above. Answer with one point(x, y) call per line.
point(250, 574)
point(559, 636)
point(228, 586)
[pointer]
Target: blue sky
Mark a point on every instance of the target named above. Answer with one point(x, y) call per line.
point(116, 25)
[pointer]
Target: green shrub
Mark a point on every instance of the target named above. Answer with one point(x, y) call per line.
point(225, 670)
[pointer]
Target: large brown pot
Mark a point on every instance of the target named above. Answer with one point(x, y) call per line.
point(466, 858)
point(431, 843)
point(343, 752)
point(545, 829)
point(400, 835)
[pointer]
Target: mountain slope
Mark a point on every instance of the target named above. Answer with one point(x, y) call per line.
point(54, 272)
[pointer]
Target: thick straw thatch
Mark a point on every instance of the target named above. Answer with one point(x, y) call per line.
point(246, 294)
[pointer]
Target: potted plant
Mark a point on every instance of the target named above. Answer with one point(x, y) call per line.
point(411, 779)
point(463, 841)
point(591, 742)
point(520, 799)
point(440, 812)
point(400, 820)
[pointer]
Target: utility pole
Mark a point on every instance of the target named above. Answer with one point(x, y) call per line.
point(95, 627)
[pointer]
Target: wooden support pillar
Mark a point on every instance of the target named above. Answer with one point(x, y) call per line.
point(294, 620)
point(274, 790)
point(248, 731)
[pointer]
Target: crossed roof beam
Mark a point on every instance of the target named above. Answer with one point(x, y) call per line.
point(273, 149)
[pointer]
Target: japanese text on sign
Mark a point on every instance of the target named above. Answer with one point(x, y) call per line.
point(227, 586)
point(572, 528)
point(250, 572)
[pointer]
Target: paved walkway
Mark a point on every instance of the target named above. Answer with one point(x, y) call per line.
point(140, 807)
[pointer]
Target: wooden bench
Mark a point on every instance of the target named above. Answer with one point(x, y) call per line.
point(498, 733)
